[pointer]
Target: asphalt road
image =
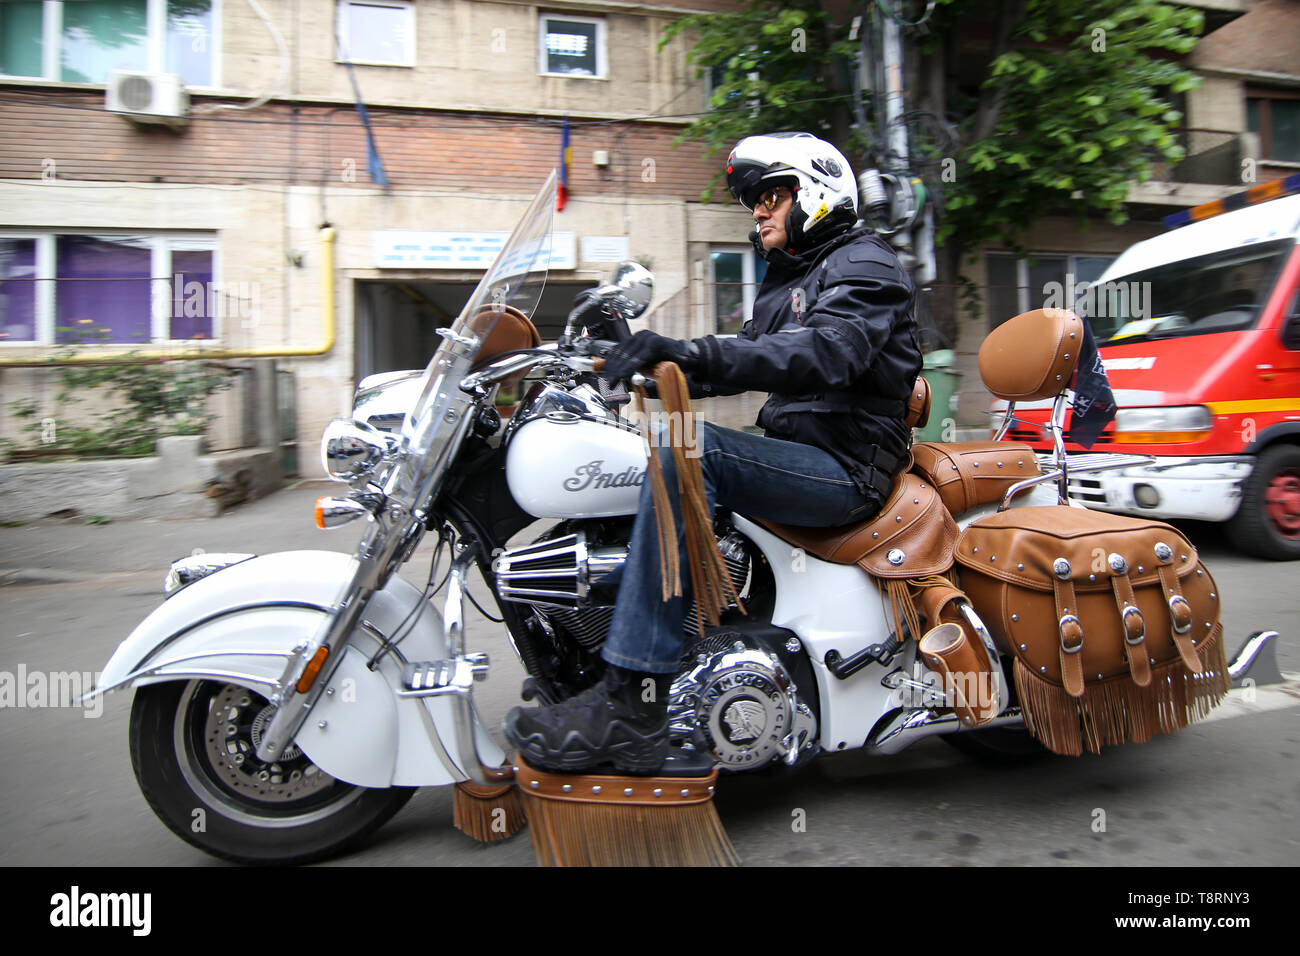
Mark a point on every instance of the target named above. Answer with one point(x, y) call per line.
point(1222, 793)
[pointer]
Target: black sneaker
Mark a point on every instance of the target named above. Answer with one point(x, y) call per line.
point(607, 726)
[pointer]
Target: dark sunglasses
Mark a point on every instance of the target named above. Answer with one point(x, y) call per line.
point(773, 198)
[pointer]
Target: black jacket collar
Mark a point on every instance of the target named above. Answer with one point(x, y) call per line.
point(787, 260)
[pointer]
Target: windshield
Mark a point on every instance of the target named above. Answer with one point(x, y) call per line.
point(1220, 292)
point(514, 281)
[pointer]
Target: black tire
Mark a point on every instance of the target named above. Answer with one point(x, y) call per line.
point(1267, 524)
point(997, 744)
point(192, 752)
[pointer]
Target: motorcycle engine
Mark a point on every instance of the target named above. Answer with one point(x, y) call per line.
point(738, 700)
point(561, 575)
point(734, 695)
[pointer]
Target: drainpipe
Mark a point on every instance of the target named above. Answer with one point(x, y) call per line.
point(152, 355)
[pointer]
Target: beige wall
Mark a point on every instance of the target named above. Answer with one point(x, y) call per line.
point(269, 236)
point(1218, 103)
point(470, 55)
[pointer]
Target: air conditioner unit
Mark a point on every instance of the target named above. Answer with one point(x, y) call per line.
point(148, 97)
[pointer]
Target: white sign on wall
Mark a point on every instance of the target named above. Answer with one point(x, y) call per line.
point(426, 249)
point(604, 248)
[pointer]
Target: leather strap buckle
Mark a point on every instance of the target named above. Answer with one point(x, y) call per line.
point(1180, 614)
point(1141, 634)
point(1062, 624)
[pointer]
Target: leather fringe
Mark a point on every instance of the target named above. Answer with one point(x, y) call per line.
point(487, 814)
point(903, 608)
point(587, 834)
point(1116, 711)
point(669, 571)
point(710, 580)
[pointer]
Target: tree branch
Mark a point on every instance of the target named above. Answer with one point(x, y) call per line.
point(1010, 14)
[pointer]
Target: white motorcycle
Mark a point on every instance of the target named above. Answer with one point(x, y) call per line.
point(297, 699)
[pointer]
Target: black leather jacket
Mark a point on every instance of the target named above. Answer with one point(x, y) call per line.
point(834, 340)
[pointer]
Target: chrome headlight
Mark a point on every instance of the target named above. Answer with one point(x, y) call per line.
point(350, 449)
point(186, 571)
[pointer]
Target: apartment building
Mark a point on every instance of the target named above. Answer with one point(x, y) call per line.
point(193, 176)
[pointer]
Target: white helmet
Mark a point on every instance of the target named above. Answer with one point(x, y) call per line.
point(825, 192)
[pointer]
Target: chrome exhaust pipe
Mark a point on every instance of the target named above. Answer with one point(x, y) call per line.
point(1258, 657)
point(908, 726)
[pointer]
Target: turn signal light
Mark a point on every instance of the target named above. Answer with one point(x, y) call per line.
point(332, 512)
point(313, 668)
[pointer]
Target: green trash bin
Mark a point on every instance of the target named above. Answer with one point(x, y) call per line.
point(938, 369)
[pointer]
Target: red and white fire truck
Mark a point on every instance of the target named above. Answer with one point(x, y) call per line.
point(1199, 331)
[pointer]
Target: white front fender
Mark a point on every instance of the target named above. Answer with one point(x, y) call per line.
point(241, 624)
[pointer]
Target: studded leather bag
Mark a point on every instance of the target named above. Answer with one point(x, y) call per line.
point(1113, 622)
point(973, 473)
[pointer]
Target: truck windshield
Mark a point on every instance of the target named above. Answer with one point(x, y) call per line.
point(1220, 292)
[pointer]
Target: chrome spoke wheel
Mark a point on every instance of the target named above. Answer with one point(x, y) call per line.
point(219, 728)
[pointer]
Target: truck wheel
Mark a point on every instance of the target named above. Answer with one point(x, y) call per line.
point(1267, 524)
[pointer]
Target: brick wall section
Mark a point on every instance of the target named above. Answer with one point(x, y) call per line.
point(1267, 38)
point(420, 148)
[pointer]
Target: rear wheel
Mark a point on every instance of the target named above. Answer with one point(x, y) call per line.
point(997, 744)
point(193, 751)
point(1267, 524)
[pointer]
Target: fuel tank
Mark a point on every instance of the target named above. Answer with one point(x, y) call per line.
point(569, 455)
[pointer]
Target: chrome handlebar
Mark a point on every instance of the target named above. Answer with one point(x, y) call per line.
point(503, 368)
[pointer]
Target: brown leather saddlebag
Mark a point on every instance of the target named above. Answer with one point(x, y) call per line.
point(972, 473)
point(1113, 622)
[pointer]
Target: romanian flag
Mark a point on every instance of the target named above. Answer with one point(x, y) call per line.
point(566, 157)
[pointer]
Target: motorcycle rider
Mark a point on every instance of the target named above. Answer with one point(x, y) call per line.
point(833, 340)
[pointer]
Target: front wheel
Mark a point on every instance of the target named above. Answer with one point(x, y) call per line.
point(193, 749)
point(1267, 524)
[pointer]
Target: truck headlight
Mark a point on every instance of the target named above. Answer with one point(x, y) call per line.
point(1154, 426)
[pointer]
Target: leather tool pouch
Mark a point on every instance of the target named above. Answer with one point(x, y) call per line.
point(1113, 622)
point(955, 653)
point(973, 473)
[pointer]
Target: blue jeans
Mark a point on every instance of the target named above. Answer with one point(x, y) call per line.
point(759, 477)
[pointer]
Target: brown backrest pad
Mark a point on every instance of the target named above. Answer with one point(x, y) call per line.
point(507, 329)
point(1032, 356)
point(913, 523)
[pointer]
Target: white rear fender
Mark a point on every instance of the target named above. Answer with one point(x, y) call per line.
point(241, 625)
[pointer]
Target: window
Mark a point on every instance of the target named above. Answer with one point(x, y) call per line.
point(376, 32)
point(17, 290)
point(1274, 116)
point(80, 42)
point(571, 46)
point(734, 277)
point(114, 288)
point(1019, 285)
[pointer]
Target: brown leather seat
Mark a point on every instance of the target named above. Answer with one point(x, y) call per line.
point(912, 536)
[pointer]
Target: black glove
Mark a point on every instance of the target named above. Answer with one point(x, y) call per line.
point(647, 348)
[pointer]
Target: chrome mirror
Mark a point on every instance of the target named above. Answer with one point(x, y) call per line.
point(629, 290)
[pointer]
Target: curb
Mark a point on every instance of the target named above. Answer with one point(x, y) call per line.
point(26, 577)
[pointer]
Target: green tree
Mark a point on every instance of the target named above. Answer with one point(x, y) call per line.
point(1072, 104)
point(774, 66)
